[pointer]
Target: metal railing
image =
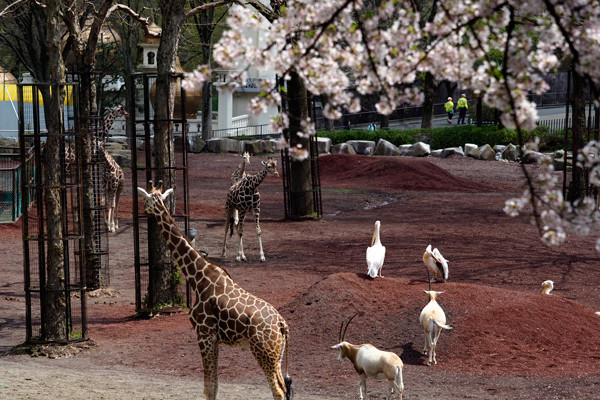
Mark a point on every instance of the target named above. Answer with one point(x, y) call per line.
point(11, 195)
point(250, 130)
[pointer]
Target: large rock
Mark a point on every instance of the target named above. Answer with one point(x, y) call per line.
point(499, 148)
point(447, 152)
point(365, 147)
point(404, 149)
point(114, 146)
point(224, 145)
point(510, 153)
point(122, 157)
point(437, 153)
point(485, 153)
point(469, 147)
point(419, 149)
point(258, 146)
point(342, 148)
point(324, 145)
point(385, 148)
point(195, 143)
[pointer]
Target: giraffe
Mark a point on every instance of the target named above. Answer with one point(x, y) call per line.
point(223, 312)
point(114, 178)
point(242, 198)
point(240, 172)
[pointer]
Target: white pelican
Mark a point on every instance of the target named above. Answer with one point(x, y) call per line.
point(436, 263)
point(375, 254)
point(547, 287)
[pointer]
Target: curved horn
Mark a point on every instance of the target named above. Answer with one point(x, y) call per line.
point(150, 185)
point(346, 328)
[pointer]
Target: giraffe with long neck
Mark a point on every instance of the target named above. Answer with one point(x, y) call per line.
point(223, 312)
point(240, 172)
point(243, 197)
point(114, 178)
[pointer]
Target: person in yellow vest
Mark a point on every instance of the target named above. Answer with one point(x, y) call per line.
point(449, 106)
point(462, 108)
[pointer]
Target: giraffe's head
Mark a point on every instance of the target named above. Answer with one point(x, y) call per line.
point(271, 166)
point(119, 111)
point(154, 198)
point(246, 156)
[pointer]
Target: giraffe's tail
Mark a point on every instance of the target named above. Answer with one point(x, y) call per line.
point(287, 380)
point(231, 222)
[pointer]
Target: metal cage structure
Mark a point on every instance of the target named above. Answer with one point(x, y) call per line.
point(54, 283)
point(144, 169)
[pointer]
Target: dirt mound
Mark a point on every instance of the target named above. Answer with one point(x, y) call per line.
point(393, 173)
point(496, 331)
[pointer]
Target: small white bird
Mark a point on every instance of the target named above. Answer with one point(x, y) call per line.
point(547, 286)
point(436, 263)
point(375, 254)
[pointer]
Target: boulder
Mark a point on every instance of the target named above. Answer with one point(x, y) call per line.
point(252, 147)
point(342, 148)
point(499, 148)
point(118, 139)
point(365, 147)
point(224, 145)
point(385, 148)
point(122, 157)
point(195, 143)
point(469, 147)
point(7, 141)
point(419, 149)
point(324, 145)
point(114, 146)
point(404, 149)
point(447, 152)
point(510, 153)
point(258, 146)
point(485, 153)
point(437, 153)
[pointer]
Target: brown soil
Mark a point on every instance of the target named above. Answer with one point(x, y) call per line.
point(508, 341)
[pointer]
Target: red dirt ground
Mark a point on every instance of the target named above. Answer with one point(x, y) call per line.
point(508, 341)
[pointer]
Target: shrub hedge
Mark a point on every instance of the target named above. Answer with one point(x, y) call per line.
point(451, 136)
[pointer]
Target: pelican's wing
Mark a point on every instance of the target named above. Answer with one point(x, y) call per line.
point(441, 261)
point(428, 249)
point(375, 258)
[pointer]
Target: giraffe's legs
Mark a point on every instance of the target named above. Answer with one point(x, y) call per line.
point(227, 218)
point(240, 228)
point(272, 370)
point(210, 360)
point(116, 212)
point(258, 233)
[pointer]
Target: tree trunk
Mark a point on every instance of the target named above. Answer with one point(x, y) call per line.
point(205, 30)
point(577, 189)
point(384, 122)
point(54, 298)
point(162, 288)
point(429, 89)
point(301, 195)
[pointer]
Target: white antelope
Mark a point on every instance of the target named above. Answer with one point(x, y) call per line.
point(547, 287)
point(436, 264)
point(375, 254)
point(433, 320)
point(371, 362)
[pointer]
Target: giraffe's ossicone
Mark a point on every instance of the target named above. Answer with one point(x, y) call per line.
point(223, 312)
